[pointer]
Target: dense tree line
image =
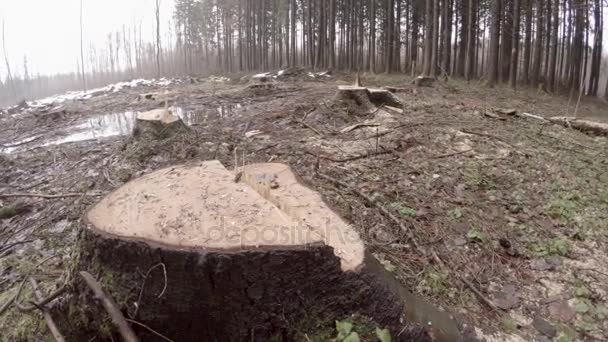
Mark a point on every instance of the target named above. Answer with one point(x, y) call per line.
point(553, 44)
point(556, 44)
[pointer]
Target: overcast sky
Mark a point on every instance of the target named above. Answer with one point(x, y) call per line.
point(48, 32)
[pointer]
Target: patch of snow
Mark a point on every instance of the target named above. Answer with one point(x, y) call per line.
point(85, 95)
point(281, 72)
point(266, 74)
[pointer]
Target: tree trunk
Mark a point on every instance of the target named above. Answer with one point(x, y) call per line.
point(494, 43)
point(551, 84)
point(506, 40)
point(435, 40)
point(469, 55)
point(538, 51)
point(527, 43)
point(428, 37)
point(515, 41)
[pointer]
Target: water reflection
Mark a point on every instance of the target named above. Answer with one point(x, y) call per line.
point(203, 116)
point(103, 126)
point(120, 124)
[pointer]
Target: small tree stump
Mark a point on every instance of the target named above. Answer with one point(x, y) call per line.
point(424, 81)
point(158, 124)
point(243, 259)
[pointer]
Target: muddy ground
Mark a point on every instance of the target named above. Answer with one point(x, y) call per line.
point(516, 208)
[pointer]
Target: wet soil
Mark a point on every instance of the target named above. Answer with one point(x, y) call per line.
point(516, 207)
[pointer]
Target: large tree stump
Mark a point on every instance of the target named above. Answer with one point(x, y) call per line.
point(158, 124)
point(356, 98)
point(251, 257)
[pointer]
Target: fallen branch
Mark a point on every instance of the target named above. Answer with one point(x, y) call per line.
point(150, 330)
point(143, 285)
point(487, 135)
point(470, 285)
point(478, 293)
point(532, 116)
point(353, 158)
point(452, 154)
point(47, 315)
point(15, 299)
point(19, 194)
point(359, 125)
point(378, 205)
point(117, 318)
point(41, 302)
point(307, 126)
point(11, 245)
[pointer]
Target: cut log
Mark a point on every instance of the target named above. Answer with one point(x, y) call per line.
point(424, 81)
point(586, 126)
point(158, 124)
point(245, 260)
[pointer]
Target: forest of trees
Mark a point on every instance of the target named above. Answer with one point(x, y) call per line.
point(553, 44)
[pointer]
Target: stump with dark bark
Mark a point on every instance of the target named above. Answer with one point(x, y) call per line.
point(356, 98)
point(383, 97)
point(158, 124)
point(231, 258)
point(424, 81)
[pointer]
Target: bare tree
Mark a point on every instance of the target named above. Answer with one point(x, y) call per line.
point(82, 74)
point(8, 66)
point(157, 12)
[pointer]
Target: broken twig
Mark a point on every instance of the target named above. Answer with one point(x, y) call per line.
point(108, 303)
point(344, 160)
point(143, 285)
point(307, 126)
point(150, 330)
point(487, 135)
point(383, 209)
point(47, 315)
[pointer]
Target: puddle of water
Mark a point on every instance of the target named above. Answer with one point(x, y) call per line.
point(104, 126)
point(119, 124)
point(200, 117)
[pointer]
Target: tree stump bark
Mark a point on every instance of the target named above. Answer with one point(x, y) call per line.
point(424, 81)
point(158, 124)
point(356, 98)
point(247, 258)
point(384, 97)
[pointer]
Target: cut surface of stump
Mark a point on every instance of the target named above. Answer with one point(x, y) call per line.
point(158, 123)
point(258, 252)
point(195, 208)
